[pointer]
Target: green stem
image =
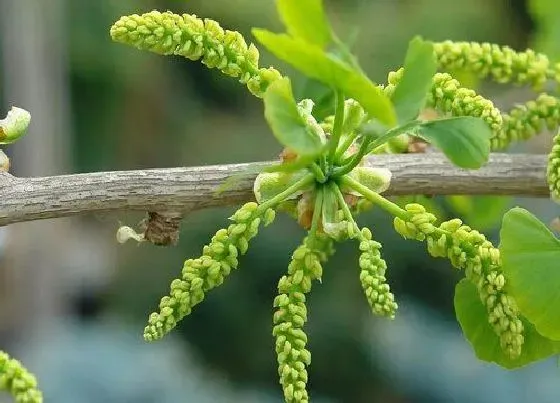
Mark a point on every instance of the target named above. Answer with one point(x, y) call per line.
point(349, 139)
point(392, 133)
point(375, 198)
point(345, 208)
point(337, 127)
point(317, 211)
point(338, 172)
point(280, 197)
point(318, 172)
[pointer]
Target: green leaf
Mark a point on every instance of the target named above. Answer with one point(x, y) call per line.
point(315, 63)
point(473, 318)
point(420, 66)
point(465, 140)
point(305, 19)
point(546, 13)
point(283, 117)
point(531, 264)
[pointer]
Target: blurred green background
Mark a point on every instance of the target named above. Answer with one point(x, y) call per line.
point(73, 302)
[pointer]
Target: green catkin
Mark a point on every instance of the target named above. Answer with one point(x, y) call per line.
point(291, 315)
point(195, 38)
point(500, 63)
point(469, 250)
point(553, 169)
point(16, 380)
point(372, 277)
point(527, 120)
point(201, 275)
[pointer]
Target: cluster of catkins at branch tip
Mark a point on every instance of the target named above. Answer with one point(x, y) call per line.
point(203, 39)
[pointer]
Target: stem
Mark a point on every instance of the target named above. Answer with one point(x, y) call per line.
point(345, 145)
point(317, 211)
point(355, 159)
point(375, 198)
point(318, 172)
point(345, 208)
point(337, 128)
point(280, 197)
point(392, 133)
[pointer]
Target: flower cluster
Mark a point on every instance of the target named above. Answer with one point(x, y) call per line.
point(469, 250)
point(501, 63)
point(553, 169)
point(291, 315)
point(448, 96)
point(201, 275)
point(372, 277)
point(16, 380)
point(194, 38)
point(527, 120)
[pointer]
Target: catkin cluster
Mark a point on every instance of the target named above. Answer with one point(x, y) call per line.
point(291, 315)
point(201, 275)
point(372, 277)
point(448, 96)
point(527, 120)
point(500, 63)
point(16, 380)
point(553, 169)
point(195, 38)
point(469, 250)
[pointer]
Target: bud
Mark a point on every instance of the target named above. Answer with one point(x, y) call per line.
point(14, 125)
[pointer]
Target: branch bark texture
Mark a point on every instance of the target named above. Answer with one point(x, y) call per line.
point(192, 188)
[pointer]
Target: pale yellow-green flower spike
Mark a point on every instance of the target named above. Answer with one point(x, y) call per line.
point(291, 315)
point(195, 38)
point(449, 97)
point(527, 120)
point(17, 381)
point(500, 63)
point(469, 250)
point(372, 277)
point(520, 123)
point(203, 274)
point(553, 169)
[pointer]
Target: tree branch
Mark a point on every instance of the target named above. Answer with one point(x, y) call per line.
point(187, 189)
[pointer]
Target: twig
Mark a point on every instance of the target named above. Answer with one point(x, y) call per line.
point(187, 189)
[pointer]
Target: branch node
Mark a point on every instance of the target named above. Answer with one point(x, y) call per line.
point(162, 228)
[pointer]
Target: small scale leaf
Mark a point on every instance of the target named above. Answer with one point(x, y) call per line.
point(336, 229)
point(312, 61)
point(287, 124)
point(305, 19)
point(322, 95)
point(530, 258)
point(269, 184)
point(420, 66)
point(465, 140)
point(473, 318)
point(14, 125)
point(374, 178)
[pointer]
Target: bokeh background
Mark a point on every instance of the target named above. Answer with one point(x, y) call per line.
point(73, 302)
